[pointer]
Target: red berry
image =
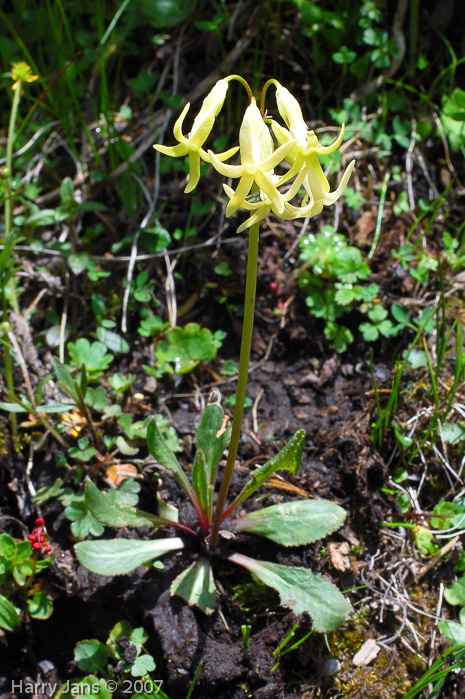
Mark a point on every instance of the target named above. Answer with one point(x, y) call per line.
point(47, 549)
point(36, 547)
point(273, 286)
point(40, 522)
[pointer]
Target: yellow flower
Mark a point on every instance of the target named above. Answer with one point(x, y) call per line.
point(22, 73)
point(258, 161)
point(201, 128)
point(306, 161)
point(262, 205)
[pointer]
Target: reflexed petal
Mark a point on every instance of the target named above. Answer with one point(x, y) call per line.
point(316, 177)
point(324, 150)
point(243, 188)
point(226, 170)
point(246, 205)
point(334, 196)
point(282, 134)
point(194, 171)
point(296, 185)
point(174, 151)
point(307, 211)
point(258, 216)
point(270, 190)
point(219, 156)
point(177, 129)
point(296, 167)
point(277, 157)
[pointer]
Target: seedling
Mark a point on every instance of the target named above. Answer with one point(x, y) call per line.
point(289, 524)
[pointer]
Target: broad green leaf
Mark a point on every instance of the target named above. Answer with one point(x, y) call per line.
point(40, 606)
point(200, 480)
point(455, 633)
point(91, 656)
point(120, 556)
point(301, 590)
point(160, 451)
point(124, 447)
point(185, 348)
point(55, 407)
point(288, 459)
point(13, 407)
point(89, 687)
point(94, 355)
point(212, 437)
point(109, 512)
point(113, 341)
point(456, 593)
point(8, 547)
point(294, 523)
point(196, 586)
point(9, 618)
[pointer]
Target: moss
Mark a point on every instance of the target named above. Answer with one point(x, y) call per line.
point(387, 677)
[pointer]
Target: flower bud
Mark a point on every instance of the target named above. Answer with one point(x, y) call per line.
point(291, 112)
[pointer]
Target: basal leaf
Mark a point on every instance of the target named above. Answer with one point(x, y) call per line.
point(212, 437)
point(294, 523)
point(301, 590)
point(109, 512)
point(288, 459)
point(200, 479)
point(160, 451)
point(196, 586)
point(120, 556)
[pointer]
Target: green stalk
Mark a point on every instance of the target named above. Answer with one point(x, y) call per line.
point(246, 343)
point(9, 156)
point(8, 210)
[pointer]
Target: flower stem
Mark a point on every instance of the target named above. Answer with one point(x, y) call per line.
point(8, 211)
point(249, 307)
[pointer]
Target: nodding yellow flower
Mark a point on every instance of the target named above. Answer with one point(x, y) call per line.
point(258, 161)
point(22, 73)
point(263, 205)
point(201, 129)
point(260, 190)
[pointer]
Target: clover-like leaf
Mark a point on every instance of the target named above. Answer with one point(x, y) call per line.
point(185, 348)
point(94, 356)
point(91, 655)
